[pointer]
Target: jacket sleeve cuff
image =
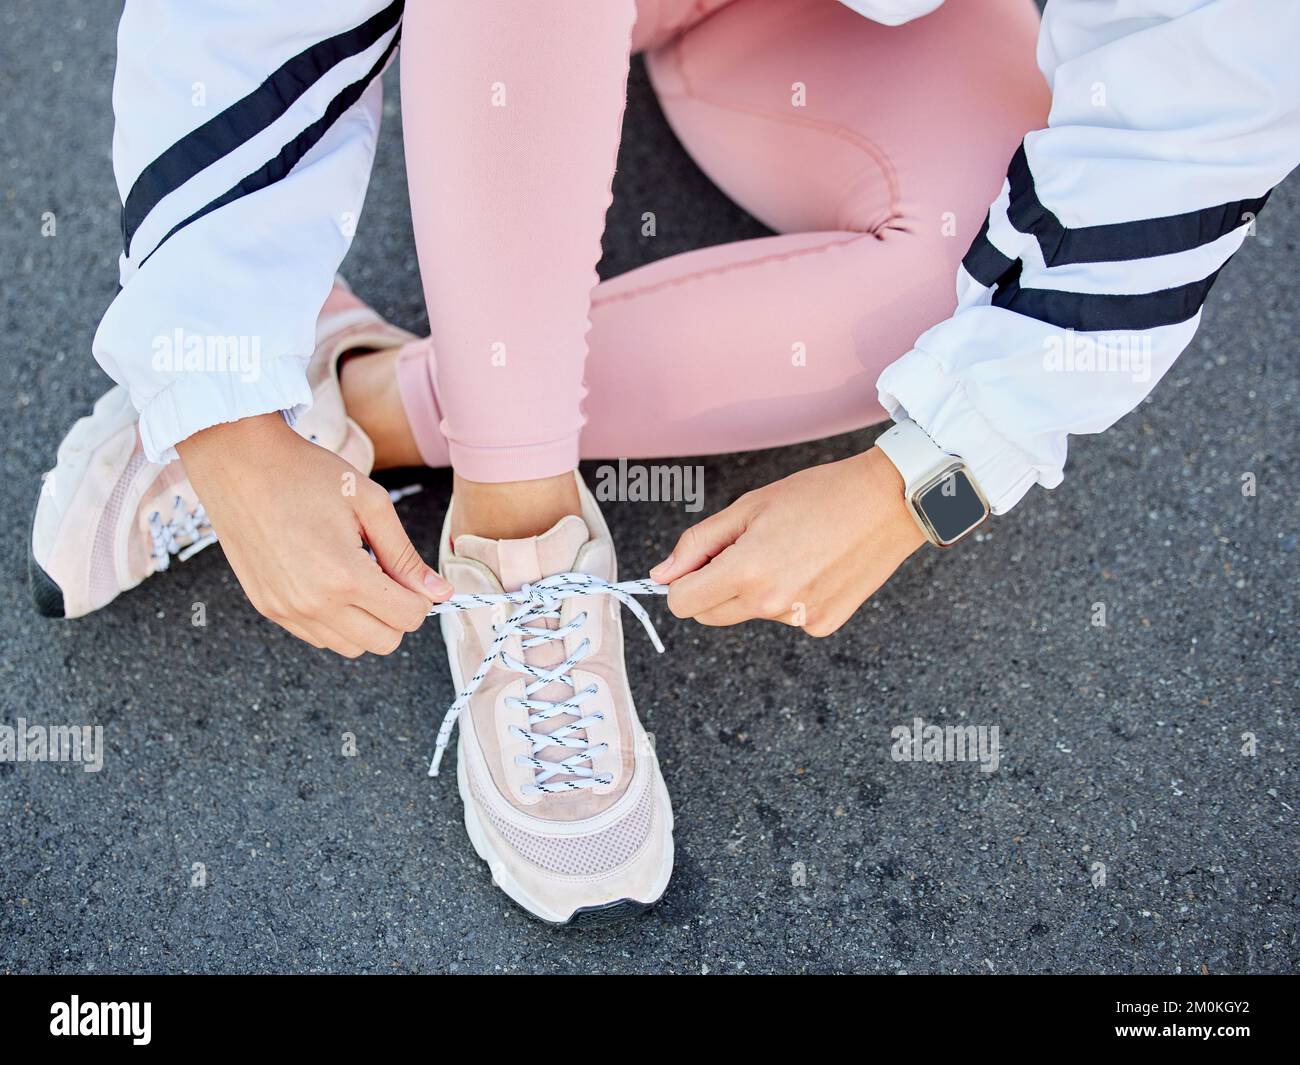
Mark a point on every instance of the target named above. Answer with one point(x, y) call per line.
point(917, 387)
point(197, 401)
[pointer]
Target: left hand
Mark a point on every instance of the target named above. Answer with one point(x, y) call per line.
point(807, 550)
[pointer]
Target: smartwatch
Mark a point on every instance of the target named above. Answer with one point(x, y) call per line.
point(940, 492)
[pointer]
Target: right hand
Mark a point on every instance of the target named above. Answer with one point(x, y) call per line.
point(293, 520)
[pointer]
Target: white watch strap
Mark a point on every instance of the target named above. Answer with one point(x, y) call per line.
point(912, 452)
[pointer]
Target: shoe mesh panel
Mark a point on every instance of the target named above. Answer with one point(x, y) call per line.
point(103, 569)
point(592, 855)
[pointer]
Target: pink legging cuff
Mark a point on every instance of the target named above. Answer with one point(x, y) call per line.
point(520, 462)
point(524, 462)
point(416, 387)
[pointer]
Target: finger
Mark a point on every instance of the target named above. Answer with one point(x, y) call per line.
point(309, 632)
point(703, 541)
point(778, 608)
point(722, 579)
point(393, 549)
point(326, 638)
point(378, 594)
point(732, 612)
point(831, 618)
point(301, 633)
point(362, 629)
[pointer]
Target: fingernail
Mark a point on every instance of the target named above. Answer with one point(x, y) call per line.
point(436, 584)
point(664, 567)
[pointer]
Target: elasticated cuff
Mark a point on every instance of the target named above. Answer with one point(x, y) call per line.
point(917, 387)
point(199, 400)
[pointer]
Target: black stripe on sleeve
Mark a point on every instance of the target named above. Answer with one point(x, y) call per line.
point(984, 262)
point(1105, 312)
point(247, 117)
point(276, 169)
point(1117, 241)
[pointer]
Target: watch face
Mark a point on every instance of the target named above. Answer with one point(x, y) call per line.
point(951, 506)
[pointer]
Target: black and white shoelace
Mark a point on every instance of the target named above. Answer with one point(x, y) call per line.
point(184, 534)
point(537, 602)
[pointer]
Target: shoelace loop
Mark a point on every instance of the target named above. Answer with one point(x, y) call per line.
point(184, 534)
point(535, 602)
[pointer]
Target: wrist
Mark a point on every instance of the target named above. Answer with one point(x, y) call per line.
point(213, 448)
point(888, 494)
point(938, 490)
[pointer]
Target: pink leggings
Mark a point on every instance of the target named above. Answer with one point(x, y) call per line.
point(874, 152)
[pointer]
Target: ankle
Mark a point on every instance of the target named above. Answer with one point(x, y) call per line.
point(512, 510)
point(371, 397)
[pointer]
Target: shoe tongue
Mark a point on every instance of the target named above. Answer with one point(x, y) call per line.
point(519, 562)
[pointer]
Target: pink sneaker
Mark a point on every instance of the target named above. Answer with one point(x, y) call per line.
point(562, 790)
point(107, 517)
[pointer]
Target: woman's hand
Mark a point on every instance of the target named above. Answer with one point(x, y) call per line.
point(807, 550)
point(293, 519)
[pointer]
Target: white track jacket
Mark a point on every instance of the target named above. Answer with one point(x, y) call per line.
point(245, 132)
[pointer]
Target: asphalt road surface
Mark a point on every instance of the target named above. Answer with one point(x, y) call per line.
point(1126, 829)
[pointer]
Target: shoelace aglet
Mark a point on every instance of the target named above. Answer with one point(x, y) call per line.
point(438, 752)
point(196, 547)
point(398, 494)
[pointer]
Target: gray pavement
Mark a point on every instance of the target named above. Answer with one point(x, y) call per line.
point(1121, 745)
